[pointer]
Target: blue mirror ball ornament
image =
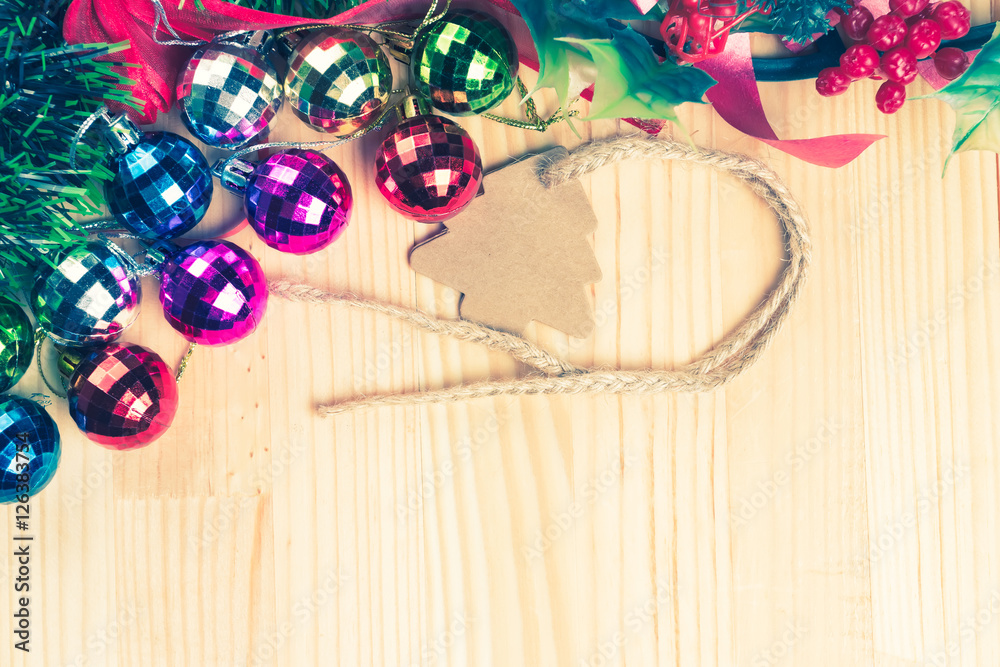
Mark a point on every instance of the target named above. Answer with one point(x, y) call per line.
point(162, 185)
point(29, 448)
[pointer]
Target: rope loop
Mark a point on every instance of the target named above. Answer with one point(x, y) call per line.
point(730, 358)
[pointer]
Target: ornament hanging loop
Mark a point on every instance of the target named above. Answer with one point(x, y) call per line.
point(535, 121)
point(223, 166)
point(234, 174)
point(101, 112)
point(161, 18)
point(119, 133)
point(40, 338)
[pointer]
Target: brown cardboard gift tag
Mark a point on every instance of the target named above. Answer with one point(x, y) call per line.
point(519, 252)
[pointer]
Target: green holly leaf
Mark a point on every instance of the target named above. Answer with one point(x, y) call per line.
point(975, 96)
point(551, 20)
point(633, 83)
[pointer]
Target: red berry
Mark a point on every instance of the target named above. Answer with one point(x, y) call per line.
point(857, 22)
point(859, 61)
point(723, 10)
point(954, 19)
point(887, 32)
point(899, 65)
point(924, 13)
point(890, 97)
point(832, 81)
point(698, 23)
point(907, 8)
point(951, 62)
point(923, 38)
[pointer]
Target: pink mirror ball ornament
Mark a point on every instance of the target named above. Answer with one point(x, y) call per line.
point(122, 396)
point(298, 201)
point(213, 292)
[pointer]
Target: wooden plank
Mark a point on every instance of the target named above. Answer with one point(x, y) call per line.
point(834, 506)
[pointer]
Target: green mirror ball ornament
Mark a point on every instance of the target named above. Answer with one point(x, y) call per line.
point(16, 343)
point(465, 64)
point(338, 80)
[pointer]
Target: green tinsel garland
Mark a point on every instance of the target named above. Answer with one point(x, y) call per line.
point(47, 89)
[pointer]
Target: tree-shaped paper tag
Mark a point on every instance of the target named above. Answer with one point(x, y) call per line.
point(519, 252)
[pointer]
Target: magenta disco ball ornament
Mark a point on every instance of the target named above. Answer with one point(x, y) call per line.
point(429, 168)
point(213, 292)
point(298, 201)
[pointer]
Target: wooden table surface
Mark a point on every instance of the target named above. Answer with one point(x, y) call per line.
point(836, 505)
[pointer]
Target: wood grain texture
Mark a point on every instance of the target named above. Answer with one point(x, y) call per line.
point(837, 505)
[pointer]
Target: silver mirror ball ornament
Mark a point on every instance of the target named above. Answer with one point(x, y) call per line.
point(229, 91)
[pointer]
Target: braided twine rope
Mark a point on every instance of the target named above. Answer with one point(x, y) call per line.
point(727, 360)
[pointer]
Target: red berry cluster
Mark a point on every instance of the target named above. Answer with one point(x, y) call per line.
point(912, 30)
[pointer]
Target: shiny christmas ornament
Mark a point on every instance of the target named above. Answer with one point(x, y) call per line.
point(16, 343)
point(29, 448)
point(298, 201)
point(465, 64)
point(89, 296)
point(338, 80)
point(213, 292)
point(229, 91)
point(162, 185)
point(429, 168)
point(121, 396)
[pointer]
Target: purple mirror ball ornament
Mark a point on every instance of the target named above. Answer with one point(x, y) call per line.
point(213, 292)
point(122, 396)
point(298, 201)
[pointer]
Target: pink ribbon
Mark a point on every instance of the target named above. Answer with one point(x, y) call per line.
point(644, 5)
point(737, 99)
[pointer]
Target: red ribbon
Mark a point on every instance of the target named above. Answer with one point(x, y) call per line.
point(736, 97)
